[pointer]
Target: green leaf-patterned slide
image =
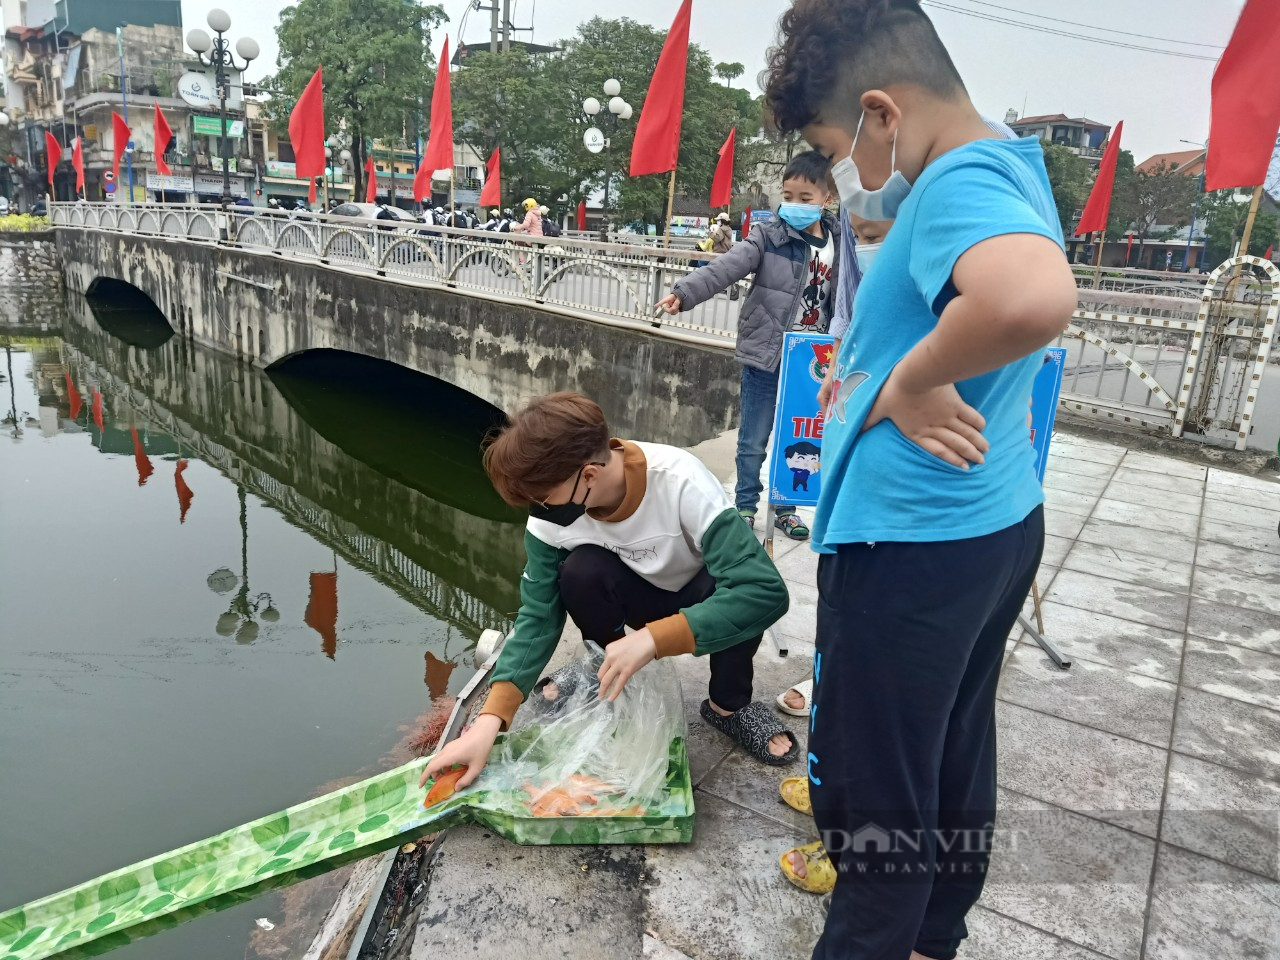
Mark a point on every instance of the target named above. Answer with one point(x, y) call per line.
point(317, 835)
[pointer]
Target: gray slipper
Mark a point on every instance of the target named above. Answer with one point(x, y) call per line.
point(753, 727)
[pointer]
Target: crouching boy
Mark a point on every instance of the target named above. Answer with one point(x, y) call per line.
point(625, 534)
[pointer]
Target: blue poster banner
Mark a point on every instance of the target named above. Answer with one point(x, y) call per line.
point(795, 472)
point(1044, 405)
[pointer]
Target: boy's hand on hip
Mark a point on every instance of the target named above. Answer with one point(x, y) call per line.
point(670, 303)
point(935, 419)
point(622, 660)
point(824, 391)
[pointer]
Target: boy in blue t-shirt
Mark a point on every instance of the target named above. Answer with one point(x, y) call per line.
point(930, 522)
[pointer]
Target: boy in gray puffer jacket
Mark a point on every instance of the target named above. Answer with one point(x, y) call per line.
point(792, 262)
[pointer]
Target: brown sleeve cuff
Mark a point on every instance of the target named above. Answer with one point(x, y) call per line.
point(503, 701)
point(671, 636)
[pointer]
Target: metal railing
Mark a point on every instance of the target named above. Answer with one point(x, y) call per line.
point(1137, 344)
point(615, 280)
point(1172, 352)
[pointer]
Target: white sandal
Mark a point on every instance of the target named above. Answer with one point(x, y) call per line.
point(805, 689)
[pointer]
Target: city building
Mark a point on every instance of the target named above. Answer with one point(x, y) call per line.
point(278, 178)
point(1187, 162)
point(1083, 137)
point(67, 74)
point(1175, 248)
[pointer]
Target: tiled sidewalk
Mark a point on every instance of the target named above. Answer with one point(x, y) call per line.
point(1140, 789)
point(1143, 783)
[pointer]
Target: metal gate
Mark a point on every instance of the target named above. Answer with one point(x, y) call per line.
point(1163, 354)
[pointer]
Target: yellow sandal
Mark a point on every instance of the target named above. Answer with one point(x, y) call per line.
point(820, 873)
point(795, 794)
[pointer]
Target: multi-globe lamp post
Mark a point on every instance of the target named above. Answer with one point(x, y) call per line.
point(216, 52)
point(333, 148)
point(239, 618)
point(613, 111)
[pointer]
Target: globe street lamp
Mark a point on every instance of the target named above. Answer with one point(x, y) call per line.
point(334, 149)
point(216, 52)
point(597, 140)
point(239, 616)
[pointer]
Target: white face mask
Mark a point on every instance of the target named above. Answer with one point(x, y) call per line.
point(866, 255)
point(879, 204)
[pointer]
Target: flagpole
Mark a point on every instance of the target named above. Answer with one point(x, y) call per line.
point(1248, 223)
point(1097, 260)
point(1243, 249)
point(671, 199)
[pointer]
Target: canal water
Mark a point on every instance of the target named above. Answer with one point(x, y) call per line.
point(222, 592)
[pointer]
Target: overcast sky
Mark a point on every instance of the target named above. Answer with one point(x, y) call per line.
point(1162, 99)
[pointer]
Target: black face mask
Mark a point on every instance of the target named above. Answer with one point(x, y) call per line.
point(564, 514)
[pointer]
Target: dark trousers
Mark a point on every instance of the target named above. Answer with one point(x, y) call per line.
point(603, 595)
point(902, 743)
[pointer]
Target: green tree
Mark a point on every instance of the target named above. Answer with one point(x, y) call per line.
point(729, 72)
point(1070, 179)
point(377, 61)
point(1162, 202)
point(546, 137)
point(504, 100)
point(1225, 214)
point(531, 107)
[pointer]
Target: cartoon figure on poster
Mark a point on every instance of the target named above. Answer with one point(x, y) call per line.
point(804, 459)
point(796, 457)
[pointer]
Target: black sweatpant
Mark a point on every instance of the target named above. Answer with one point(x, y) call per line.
point(902, 743)
point(603, 595)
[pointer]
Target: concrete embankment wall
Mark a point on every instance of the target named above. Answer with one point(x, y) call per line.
point(262, 308)
point(31, 265)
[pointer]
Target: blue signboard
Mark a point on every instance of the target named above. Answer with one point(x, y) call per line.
point(795, 476)
point(1044, 405)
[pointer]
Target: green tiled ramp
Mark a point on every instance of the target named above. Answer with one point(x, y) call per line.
point(310, 838)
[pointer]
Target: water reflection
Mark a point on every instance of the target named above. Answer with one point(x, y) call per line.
point(238, 619)
point(130, 319)
point(278, 622)
point(360, 453)
point(430, 444)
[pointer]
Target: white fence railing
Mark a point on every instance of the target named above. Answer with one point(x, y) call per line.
point(614, 280)
point(1172, 353)
point(1177, 354)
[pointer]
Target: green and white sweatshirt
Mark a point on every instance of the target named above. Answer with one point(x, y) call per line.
point(674, 519)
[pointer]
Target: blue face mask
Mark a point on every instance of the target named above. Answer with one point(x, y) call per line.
point(800, 215)
point(866, 253)
point(881, 204)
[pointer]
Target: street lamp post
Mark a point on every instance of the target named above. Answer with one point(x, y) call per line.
point(1195, 208)
point(239, 617)
point(328, 170)
point(216, 52)
point(4, 122)
point(333, 150)
point(597, 140)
